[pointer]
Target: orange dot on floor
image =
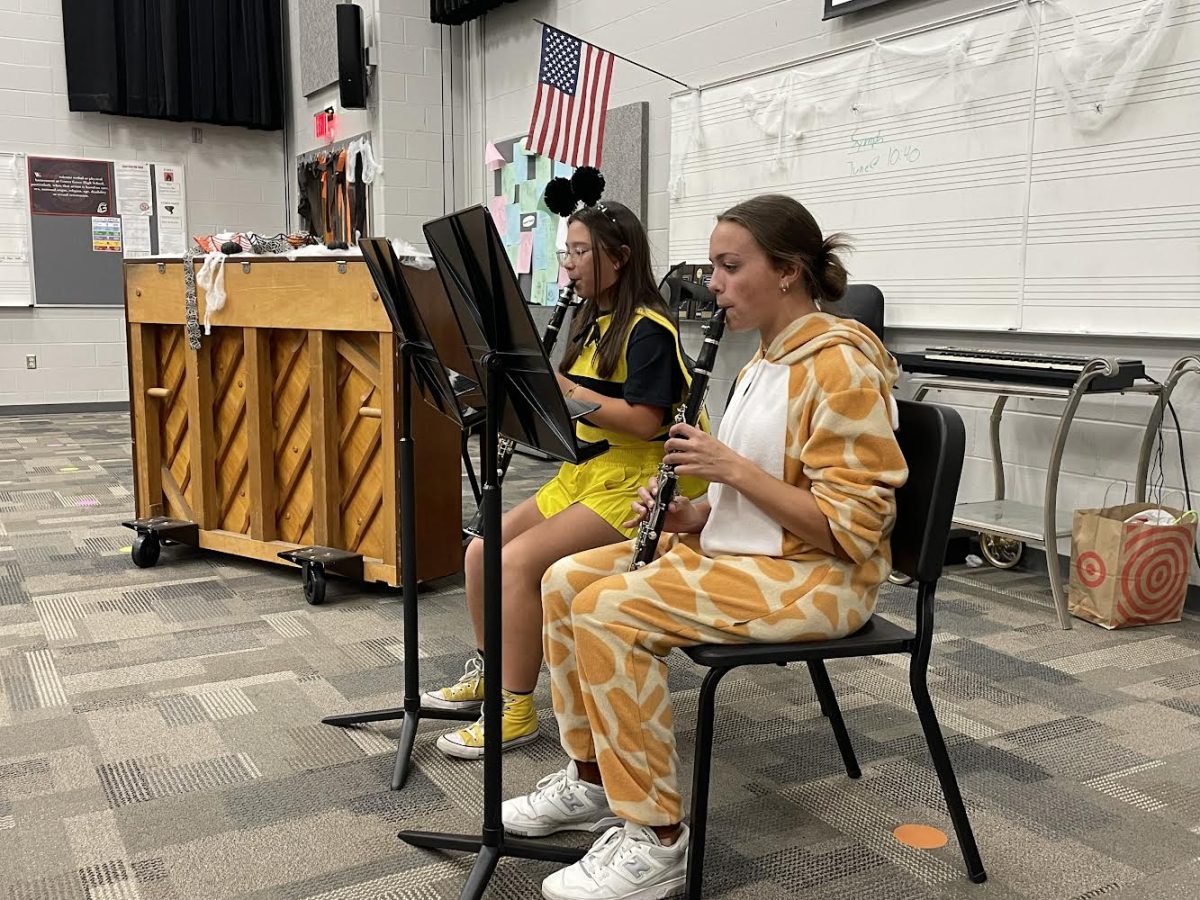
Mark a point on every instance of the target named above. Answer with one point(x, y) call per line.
point(923, 837)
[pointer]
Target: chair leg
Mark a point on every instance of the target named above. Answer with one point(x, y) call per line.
point(945, 773)
point(829, 706)
point(701, 770)
point(470, 467)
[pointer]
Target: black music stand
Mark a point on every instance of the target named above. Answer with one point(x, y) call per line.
point(523, 400)
point(421, 362)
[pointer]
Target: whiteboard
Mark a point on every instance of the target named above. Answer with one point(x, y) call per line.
point(16, 279)
point(983, 183)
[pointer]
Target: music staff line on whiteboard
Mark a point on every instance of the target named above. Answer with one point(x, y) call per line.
point(716, 114)
point(913, 182)
point(1116, 158)
point(1175, 82)
point(943, 123)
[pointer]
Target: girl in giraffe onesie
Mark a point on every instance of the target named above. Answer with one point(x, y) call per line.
point(790, 544)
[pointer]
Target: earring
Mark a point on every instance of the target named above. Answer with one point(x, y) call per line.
point(783, 288)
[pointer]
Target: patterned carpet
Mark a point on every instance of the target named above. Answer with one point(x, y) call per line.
point(159, 733)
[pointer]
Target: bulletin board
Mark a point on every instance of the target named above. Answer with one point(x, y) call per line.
point(519, 180)
point(86, 216)
point(528, 228)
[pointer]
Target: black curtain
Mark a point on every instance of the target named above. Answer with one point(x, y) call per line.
point(455, 12)
point(216, 61)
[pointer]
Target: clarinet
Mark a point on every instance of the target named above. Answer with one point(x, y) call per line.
point(506, 446)
point(651, 528)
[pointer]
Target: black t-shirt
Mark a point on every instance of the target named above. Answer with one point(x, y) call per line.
point(652, 366)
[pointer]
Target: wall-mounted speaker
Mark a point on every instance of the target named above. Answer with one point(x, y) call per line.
point(352, 68)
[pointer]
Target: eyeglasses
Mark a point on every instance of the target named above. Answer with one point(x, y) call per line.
point(575, 253)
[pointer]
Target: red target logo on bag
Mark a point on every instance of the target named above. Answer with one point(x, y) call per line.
point(1154, 572)
point(1090, 568)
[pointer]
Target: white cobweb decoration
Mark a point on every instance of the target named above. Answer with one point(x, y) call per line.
point(1094, 75)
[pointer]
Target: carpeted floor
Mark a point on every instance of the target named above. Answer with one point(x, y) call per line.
point(159, 733)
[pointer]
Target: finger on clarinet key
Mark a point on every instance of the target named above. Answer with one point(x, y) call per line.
point(683, 431)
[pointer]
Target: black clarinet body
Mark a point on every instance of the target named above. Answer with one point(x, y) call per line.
point(649, 532)
point(504, 452)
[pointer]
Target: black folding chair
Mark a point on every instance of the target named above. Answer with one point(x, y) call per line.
point(864, 303)
point(932, 439)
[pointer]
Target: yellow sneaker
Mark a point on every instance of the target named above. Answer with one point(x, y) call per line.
point(520, 727)
point(466, 693)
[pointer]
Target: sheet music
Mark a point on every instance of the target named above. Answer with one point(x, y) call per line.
point(16, 281)
point(972, 199)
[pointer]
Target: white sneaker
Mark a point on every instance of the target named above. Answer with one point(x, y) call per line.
point(561, 802)
point(627, 863)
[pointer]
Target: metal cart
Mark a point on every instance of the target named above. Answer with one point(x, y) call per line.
point(1006, 526)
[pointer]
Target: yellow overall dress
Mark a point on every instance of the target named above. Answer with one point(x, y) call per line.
point(608, 484)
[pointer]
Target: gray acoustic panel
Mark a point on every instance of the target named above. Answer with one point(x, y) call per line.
point(67, 271)
point(626, 162)
point(318, 45)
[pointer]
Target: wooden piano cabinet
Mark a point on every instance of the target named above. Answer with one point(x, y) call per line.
point(280, 432)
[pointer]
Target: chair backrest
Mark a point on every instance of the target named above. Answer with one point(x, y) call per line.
point(933, 441)
point(864, 303)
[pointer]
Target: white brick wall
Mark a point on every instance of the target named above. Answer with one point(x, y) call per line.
point(415, 117)
point(234, 179)
point(704, 40)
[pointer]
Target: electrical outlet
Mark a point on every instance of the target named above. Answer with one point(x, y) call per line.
point(31, 361)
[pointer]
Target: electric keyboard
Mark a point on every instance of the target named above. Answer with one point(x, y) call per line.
point(1012, 366)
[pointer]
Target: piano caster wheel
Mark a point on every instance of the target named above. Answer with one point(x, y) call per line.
point(145, 550)
point(314, 585)
point(1001, 552)
point(899, 578)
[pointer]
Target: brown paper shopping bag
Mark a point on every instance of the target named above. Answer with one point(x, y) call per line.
point(1128, 573)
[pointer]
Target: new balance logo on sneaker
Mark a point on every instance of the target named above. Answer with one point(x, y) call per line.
point(627, 863)
point(560, 802)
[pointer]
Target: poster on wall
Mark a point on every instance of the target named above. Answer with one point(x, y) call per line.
point(70, 187)
point(528, 228)
point(135, 192)
point(16, 279)
point(106, 234)
point(169, 197)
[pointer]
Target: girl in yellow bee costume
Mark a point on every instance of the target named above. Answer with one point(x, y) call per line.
point(624, 355)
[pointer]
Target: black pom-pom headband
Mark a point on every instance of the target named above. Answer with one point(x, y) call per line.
point(564, 196)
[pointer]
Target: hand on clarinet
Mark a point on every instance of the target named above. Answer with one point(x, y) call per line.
point(683, 517)
point(693, 451)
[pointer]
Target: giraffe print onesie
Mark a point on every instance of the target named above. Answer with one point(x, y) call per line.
point(814, 409)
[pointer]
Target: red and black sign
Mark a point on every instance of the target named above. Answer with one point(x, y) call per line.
point(70, 187)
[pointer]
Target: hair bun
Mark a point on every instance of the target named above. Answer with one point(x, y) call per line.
point(560, 197)
point(831, 275)
point(588, 184)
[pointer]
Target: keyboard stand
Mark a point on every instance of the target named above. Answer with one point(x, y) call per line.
point(1027, 523)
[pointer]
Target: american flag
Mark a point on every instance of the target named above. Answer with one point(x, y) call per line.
point(572, 99)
